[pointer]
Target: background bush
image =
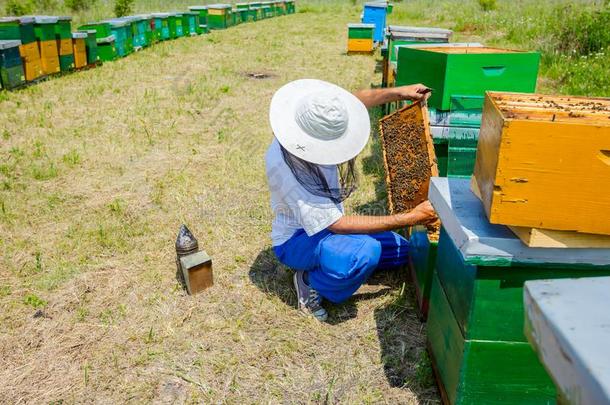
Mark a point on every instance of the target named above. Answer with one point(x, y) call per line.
point(18, 7)
point(78, 5)
point(123, 7)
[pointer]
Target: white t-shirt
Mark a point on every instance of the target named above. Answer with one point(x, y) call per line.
point(293, 206)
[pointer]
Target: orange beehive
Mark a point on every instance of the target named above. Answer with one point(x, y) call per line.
point(80, 49)
point(49, 57)
point(544, 162)
point(32, 65)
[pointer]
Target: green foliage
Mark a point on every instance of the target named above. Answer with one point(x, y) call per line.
point(78, 5)
point(19, 7)
point(34, 301)
point(488, 5)
point(123, 7)
point(583, 32)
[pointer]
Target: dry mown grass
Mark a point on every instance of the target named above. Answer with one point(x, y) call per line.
point(98, 170)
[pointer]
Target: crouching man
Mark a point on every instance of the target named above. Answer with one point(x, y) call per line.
point(319, 130)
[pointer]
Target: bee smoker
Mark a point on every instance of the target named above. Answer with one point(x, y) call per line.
point(194, 265)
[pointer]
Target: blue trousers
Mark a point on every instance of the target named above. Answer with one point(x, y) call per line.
point(338, 265)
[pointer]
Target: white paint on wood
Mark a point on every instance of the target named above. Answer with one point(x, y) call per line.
point(568, 323)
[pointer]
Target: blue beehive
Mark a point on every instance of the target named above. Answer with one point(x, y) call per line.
point(375, 13)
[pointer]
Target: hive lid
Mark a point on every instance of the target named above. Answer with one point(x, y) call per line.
point(106, 40)
point(376, 5)
point(216, 6)
point(45, 19)
point(26, 20)
point(428, 30)
point(79, 35)
point(8, 44)
point(160, 15)
point(89, 32)
point(118, 23)
point(11, 19)
point(198, 7)
point(360, 25)
point(64, 18)
point(465, 221)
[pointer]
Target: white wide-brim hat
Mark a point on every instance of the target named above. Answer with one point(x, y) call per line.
point(319, 122)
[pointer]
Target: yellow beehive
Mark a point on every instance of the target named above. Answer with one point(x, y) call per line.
point(544, 162)
point(31, 61)
point(80, 52)
point(49, 57)
point(64, 47)
point(359, 45)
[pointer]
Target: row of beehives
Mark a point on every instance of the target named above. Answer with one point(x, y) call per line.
point(36, 47)
point(541, 173)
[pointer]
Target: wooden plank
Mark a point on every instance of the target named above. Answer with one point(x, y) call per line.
point(567, 323)
point(548, 238)
point(532, 172)
point(408, 156)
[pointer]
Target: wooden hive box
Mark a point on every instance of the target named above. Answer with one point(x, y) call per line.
point(544, 162)
point(360, 37)
point(476, 316)
point(467, 71)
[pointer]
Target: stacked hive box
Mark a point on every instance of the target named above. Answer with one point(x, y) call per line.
point(376, 13)
point(244, 12)
point(123, 37)
point(219, 16)
point(44, 29)
point(540, 157)
point(476, 318)
point(400, 35)
point(176, 30)
point(191, 23)
point(11, 67)
point(267, 7)
point(290, 7)
point(256, 10)
point(162, 25)
point(105, 49)
point(65, 48)
point(79, 47)
point(360, 37)
point(140, 27)
point(22, 29)
point(459, 76)
point(203, 14)
point(91, 46)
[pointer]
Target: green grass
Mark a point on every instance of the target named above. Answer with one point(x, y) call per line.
point(98, 169)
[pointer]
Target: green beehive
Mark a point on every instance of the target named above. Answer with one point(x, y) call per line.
point(12, 74)
point(123, 37)
point(219, 16)
point(140, 29)
point(17, 28)
point(267, 7)
point(467, 71)
point(203, 13)
point(244, 12)
point(102, 29)
point(44, 28)
point(63, 28)
point(106, 48)
point(192, 23)
point(402, 35)
point(175, 25)
point(91, 44)
point(162, 21)
point(476, 318)
point(235, 17)
point(256, 10)
point(290, 7)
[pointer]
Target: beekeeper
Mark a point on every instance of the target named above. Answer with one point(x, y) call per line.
point(319, 129)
